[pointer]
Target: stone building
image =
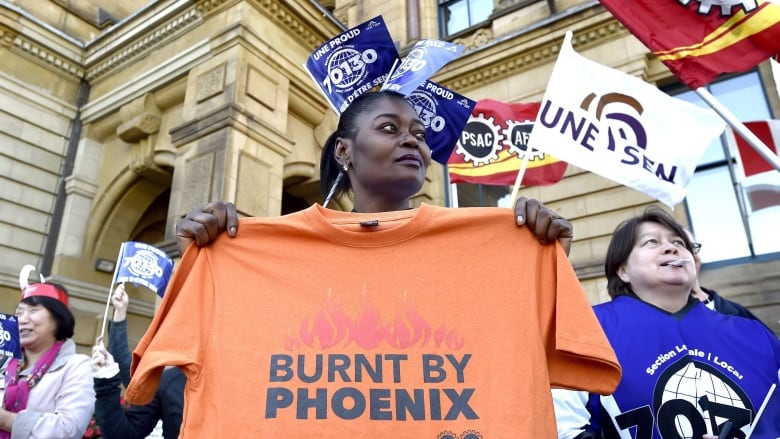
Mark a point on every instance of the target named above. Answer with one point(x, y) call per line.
point(117, 118)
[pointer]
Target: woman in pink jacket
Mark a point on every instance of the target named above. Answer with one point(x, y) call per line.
point(48, 392)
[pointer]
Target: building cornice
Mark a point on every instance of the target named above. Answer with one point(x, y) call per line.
point(491, 60)
point(135, 38)
point(141, 33)
point(26, 35)
point(52, 58)
point(300, 23)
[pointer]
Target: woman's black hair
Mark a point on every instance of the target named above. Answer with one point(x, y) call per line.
point(347, 128)
point(66, 323)
point(624, 240)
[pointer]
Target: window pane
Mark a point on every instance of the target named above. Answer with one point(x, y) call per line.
point(480, 10)
point(480, 195)
point(743, 96)
point(455, 16)
point(715, 216)
point(462, 14)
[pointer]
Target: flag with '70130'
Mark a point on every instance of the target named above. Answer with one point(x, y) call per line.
point(622, 128)
point(143, 264)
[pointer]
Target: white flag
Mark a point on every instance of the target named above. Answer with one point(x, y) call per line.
point(621, 127)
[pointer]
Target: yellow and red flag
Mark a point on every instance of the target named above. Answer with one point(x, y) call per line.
point(698, 40)
point(493, 144)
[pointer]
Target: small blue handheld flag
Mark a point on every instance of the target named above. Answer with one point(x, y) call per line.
point(143, 264)
point(444, 114)
point(9, 337)
point(425, 59)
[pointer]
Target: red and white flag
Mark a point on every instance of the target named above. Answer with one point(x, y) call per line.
point(493, 144)
point(762, 191)
point(768, 131)
point(699, 40)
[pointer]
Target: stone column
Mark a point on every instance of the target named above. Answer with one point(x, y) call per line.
point(232, 143)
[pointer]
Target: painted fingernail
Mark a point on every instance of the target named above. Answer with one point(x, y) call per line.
point(520, 219)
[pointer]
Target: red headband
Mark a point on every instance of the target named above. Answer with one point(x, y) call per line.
point(45, 290)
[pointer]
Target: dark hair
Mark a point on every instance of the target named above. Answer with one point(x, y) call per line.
point(623, 241)
point(66, 323)
point(347, 128)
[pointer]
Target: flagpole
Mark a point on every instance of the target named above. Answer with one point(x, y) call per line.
point(111, 290)
point(454, 195)
point(450, 190)
point(727, 139)
point(739, 127)
point(520, 175)
point(761, 409)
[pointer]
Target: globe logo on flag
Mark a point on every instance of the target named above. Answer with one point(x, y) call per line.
point(425, 106)
point(144, 264)
point(347, 66)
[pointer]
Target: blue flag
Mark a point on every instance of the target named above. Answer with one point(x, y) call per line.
point(444, 114)
point(425, 59)
point(353, 62)
point(9, 337)
point(143, 264)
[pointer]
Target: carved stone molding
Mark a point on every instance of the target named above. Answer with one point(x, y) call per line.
point(206, 7)
point(148, 40)
point(140, 118)
point(7, 36)
point(282, 15)
point(274, 9)
point(210, 83)
point(477, 39)
point(48, 56)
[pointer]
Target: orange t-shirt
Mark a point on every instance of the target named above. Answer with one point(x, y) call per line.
point(430, 323)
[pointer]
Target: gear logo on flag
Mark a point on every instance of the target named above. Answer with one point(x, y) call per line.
point(517, 135)
point(725, 5)
point(480, 141)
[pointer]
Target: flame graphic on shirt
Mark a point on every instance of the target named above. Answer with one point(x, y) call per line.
point(332, 327)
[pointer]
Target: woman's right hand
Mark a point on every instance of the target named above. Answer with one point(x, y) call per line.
point(120, 301)
point(203, 224)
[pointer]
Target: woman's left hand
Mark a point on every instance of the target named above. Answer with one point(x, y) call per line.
point(103, 364)
point(547, 225)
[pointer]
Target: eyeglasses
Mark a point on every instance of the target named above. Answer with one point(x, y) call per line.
point(696, 247)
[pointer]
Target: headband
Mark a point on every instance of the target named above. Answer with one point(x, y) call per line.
point(45, 290)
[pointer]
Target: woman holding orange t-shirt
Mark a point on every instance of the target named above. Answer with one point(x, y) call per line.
point(383, 160)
